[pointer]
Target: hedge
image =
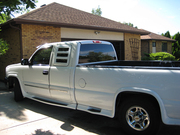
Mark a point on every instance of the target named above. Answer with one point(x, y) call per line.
point(159, 56)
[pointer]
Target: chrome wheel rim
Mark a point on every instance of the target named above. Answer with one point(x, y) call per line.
point(137, 118)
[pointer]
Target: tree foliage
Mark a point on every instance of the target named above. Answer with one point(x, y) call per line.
point(167, 34)
point(9, 6)
point(130, 24)
point(4, 18)
point(3, 44)
point(97, 11)
point(98, 56)
point(176, 46)
point(95, 57)
point(3, 47)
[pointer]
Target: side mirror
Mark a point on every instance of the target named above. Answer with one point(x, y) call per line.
point(24, 62)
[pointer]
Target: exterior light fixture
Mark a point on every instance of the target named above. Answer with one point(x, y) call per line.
point(96, 32)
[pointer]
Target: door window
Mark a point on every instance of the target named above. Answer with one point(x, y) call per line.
point(41, 57)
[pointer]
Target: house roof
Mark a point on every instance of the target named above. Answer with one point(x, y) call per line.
point(59, 15)
point(153, 36)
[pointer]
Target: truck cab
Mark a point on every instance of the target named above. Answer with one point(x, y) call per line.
point(48, 75)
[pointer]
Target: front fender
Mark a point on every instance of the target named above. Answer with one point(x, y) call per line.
point(19, 78)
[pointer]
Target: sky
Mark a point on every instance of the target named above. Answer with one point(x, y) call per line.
point(158, 16)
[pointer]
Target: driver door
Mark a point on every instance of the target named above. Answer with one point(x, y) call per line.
point(36, 75)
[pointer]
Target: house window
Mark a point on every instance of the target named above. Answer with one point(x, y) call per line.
point(153, 47)
point(164, 47)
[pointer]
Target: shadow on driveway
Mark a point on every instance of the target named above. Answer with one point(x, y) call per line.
point(89, 122)
point(9, 107)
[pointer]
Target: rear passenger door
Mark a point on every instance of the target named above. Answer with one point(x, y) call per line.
point(60, 73)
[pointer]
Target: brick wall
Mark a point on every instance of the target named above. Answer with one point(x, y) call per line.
point(132, 46)
point(144, 47)
point(12, 56)
point(34, 35)
point(169, 47)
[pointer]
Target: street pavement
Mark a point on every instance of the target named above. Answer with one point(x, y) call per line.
point(29, 117)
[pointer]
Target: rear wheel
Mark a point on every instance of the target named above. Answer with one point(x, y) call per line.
point(17, 91)
point(139, 117)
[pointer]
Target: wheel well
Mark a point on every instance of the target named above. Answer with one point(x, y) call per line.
point(142, 96)
point(11, 81)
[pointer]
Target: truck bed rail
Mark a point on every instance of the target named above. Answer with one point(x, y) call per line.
point(172, 65)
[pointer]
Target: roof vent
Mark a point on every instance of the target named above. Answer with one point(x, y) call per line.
point(43, 5)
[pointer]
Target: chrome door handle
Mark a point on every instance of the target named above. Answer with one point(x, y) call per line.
point(45, 72)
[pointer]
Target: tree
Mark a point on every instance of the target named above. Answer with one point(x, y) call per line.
point(3, 44)
point(167, 34)
point(130, 24)
point(97, 11)
point(176, 46)
point(7, 7)
point(4, 18)
point(10, 6)
point(98, 56)
point(3, 47)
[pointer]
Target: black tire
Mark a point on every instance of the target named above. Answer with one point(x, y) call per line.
point(17, 91)
point(139, 117)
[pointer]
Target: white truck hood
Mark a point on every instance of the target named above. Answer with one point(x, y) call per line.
point(17, 64)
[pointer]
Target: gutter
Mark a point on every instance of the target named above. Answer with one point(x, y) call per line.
point(170, 40)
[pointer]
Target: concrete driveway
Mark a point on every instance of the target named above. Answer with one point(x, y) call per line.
point(33, 118)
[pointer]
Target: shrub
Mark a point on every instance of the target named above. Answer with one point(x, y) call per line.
point(159, 56)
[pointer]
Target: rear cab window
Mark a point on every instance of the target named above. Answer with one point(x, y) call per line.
point(96, 53)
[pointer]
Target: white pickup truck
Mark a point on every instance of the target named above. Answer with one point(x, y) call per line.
point(86, 75)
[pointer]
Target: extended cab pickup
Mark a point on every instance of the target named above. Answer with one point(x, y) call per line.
point(86, 75)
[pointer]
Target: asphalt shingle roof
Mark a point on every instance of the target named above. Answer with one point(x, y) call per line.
point(64, 16)
point(153, 36)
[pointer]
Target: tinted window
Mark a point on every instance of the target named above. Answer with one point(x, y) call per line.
point(96, 52)
point(42, 56)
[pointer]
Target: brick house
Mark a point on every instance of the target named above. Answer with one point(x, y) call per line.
point(55, 23)
point(153, 43)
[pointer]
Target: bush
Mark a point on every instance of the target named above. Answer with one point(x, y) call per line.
point(159, 56)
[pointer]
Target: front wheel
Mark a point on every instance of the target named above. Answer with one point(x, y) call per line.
point(139, 117)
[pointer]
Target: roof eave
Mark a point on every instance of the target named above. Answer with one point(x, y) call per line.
point(172, 40)
point(25, 21)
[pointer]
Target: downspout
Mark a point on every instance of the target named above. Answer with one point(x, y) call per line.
point(20, 36)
